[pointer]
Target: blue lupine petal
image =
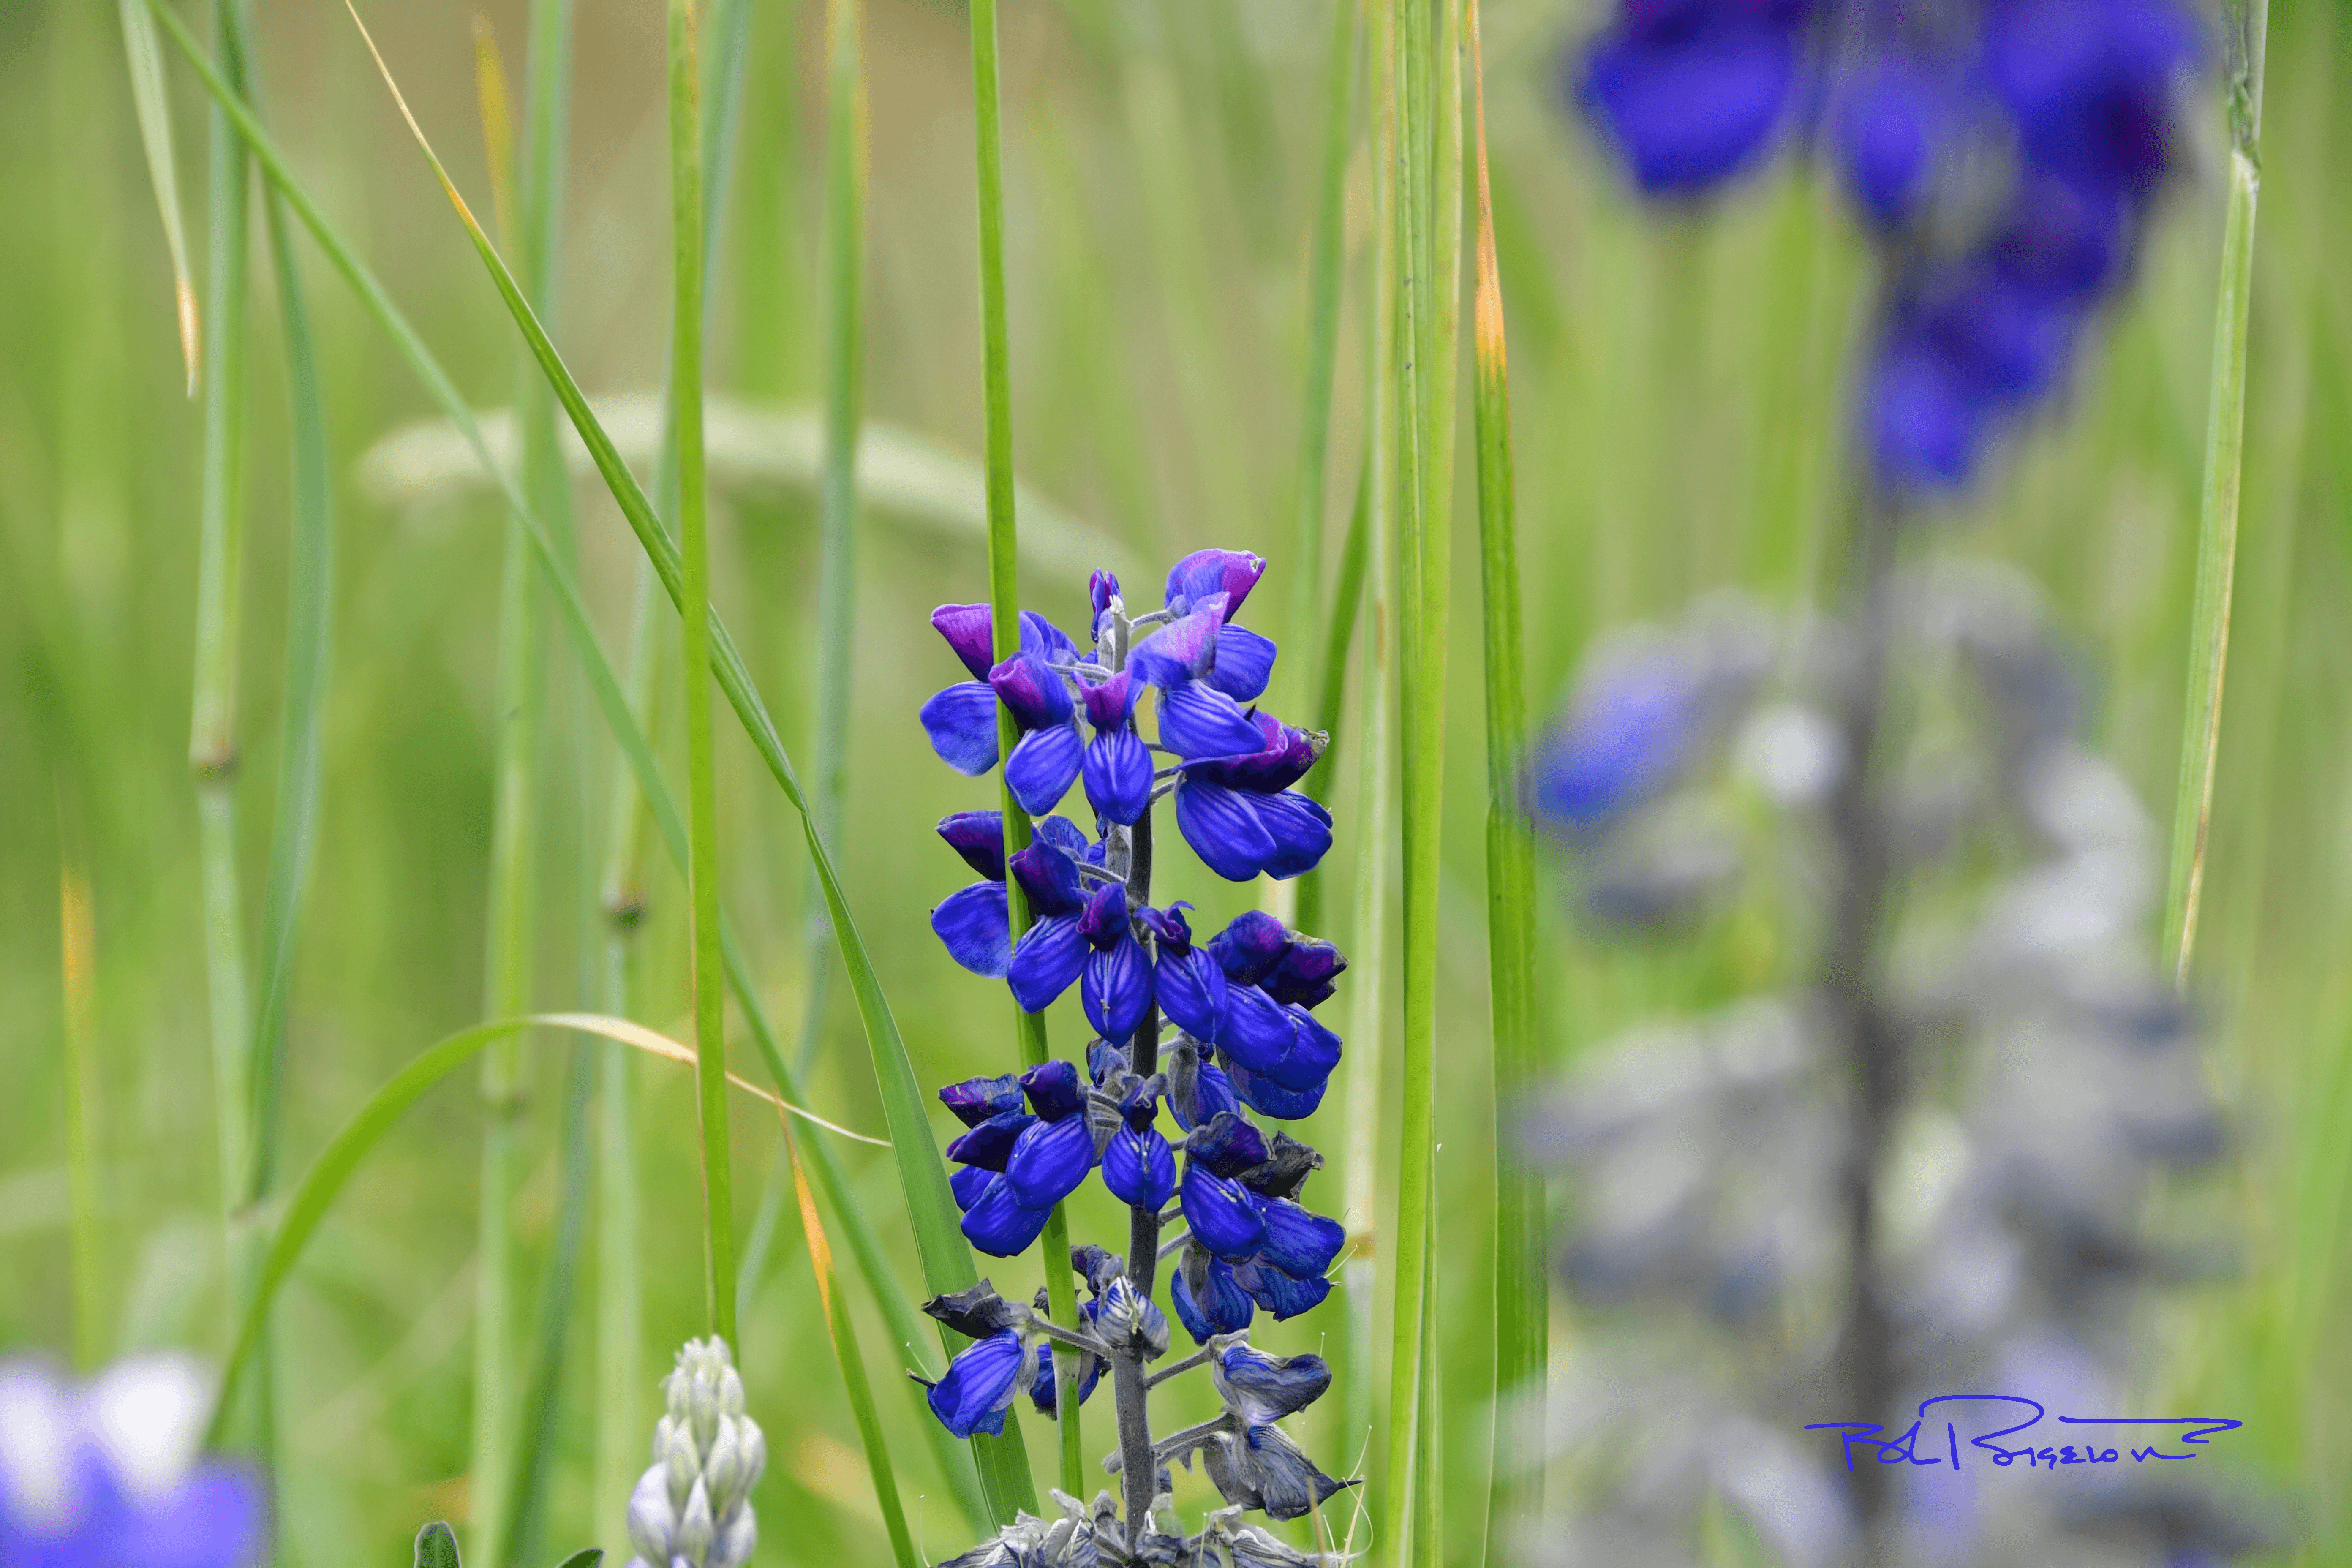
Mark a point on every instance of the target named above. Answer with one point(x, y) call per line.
point(1887, 127)
point(1053, 1090)
point(211, 1519)
point(968, 631)
point(1191, 990)
point(981, 1384)
point(1103, 1058)
point(1204, 573)
point(1264, 1096)
point(1286, 1482)
point(1298, 1241)
point(1222, 828)
point(1042, 1393)
point(979, 837)
point(1305, 975)
point(1258, 1032)
point(1046, 962)
point(1037, 696)
point(1227, 1311)
point(1689, 111)
point(1117, 769)
point(989, 1144)
point(961, 723)
point(1000, 1227)
point(1102, 587)
point(1049, 1163)
point(1251, 946)
point(1111, 703)
point(1925, 425)
point(1115, 988)
point(1279, 1293)
point(2088, 83)
point(1044, 764)
point(1041, 638)
point(1198, 721)
point(1184, 650)
point(1245, 663)
point(1269, 1387)
point(1214, 1093)
point(975, 1100)
point(1229, 1145)
point(1224, 1215)
point(974, 924)
point(1104, 921)
point(1301, 831)
point(1314, 1053)
point(1279, 760)
point(1139, 1168)
point(1048, 873)
point(967, 1182)
point(1174, 931)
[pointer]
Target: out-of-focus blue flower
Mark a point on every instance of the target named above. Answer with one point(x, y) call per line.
point(1629, 732)
point(981, 1384)
point(1693, 91)
point(109, 1475)
point(1889, 127)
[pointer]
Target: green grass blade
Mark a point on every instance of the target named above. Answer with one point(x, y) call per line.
point(701, 776)
point(1515, 1496)
point(1005, 603)
point(76, 943)
point(1331, 693)
point(946, 1255)
point(588, 1557)
point(145, 55)
point(1326, 266)
point(844, 377)
point(852, 1362)
point(532, 1471)
point(2217, 528)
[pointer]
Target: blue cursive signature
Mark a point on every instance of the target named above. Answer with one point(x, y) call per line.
point(1905, 1448)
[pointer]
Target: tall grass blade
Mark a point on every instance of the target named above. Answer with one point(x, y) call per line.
point(1515, 1496)
point(946, 1256)
point(345, 1152)
point(532, 1471)
point(852, 1362)
point(1376, 764)
point(701, 777)
point(844, 377)
point(1332, 685)
point(511, 937)
point(2245, 28)
point(1005, 602)
point(149, 99)
point(1325, 268)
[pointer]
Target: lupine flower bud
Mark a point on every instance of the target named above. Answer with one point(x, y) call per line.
point(691, 1508)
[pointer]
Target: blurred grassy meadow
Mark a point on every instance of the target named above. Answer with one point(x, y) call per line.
point(1678, 402)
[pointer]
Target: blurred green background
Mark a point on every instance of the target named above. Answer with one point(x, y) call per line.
point(1678, 403)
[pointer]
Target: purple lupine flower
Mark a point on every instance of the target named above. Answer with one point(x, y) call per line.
point(1038, 1156)
point(1209, 1301)
point(983, 1382)
point(1042, 1391)
point(961, 719)
point(1117, 764)
point(972, 921)
point(1116, 985)
point(1188, 981)
point(109, 1475)
point(1239, 813)
point(1630, 731)
point(1232, 573)
point(1262, 1388)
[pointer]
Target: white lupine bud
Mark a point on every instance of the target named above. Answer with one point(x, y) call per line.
point(731, 1391)
point(674, 1394)
point(722, 1468)
point(755, 1451)
point(733, 1547)
point(683, 1463)
point(702, 1399)
point(662, 1429)
point(653, 1522)
point(695, 1528)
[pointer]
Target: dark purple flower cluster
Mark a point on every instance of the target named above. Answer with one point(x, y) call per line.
point(1214, 1028)
point(2005, 153)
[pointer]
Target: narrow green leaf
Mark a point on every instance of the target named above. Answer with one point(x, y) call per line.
point(1005, 608)
point(1514, 1497)
point(1330, 698)
point(852, 1363)
point(701, 776)
point(946, 1256)
point(588, 1558)
point(436, 1547)
point(540, 1406)
point(2246, 23)
point(149, 96)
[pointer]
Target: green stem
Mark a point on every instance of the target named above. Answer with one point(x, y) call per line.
point(1004, 601)
point(1515, 1496)
point(2216, 531)
point(701, 783)
point(844, 356)
point(1331, 694)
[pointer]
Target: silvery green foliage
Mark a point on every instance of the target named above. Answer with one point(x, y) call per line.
point(692, 1505)
point(1090, 1536)
point(2047, 1074)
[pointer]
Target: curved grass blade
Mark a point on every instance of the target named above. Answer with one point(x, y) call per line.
point(1004, 606)
point(148, 96)
point(852, 1362)
point(946, 1256)
point(1514, 1495)
point(340, 1160)
point(2244, 31)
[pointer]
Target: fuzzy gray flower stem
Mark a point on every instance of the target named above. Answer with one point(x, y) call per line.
point(1197, 1359)
point(1070, 1337)
point(1130, 1385)
point(1869, 1037)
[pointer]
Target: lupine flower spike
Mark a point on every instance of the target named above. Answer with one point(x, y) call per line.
point(692, 1506)
point(1215, 1029)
